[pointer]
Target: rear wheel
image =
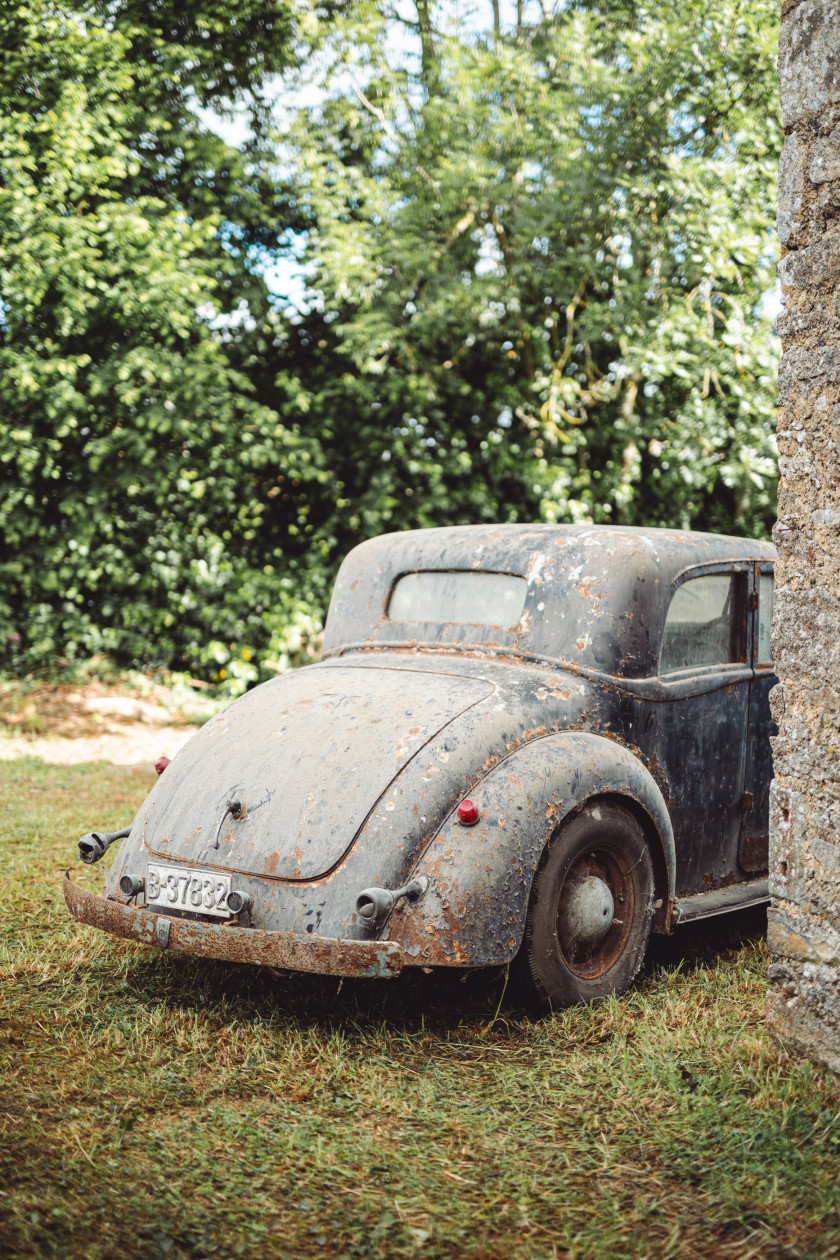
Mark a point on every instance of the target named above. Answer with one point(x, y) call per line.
point(590, 909)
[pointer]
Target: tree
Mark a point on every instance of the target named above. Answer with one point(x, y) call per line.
point(536, 260)
point(544, 267)
point(138, 463)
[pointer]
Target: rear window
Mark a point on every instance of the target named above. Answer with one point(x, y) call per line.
point(465, 597)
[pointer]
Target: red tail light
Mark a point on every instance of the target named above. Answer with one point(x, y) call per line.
point(468, 813)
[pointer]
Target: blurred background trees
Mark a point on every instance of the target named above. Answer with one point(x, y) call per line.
point(458, 266)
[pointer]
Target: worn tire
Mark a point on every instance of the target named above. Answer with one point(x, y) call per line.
point(590, 910)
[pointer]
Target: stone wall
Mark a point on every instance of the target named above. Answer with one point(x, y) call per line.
point(804, 929)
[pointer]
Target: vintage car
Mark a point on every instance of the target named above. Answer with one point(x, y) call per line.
point(522, 742)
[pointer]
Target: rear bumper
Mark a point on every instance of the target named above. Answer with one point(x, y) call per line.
point(381, 959)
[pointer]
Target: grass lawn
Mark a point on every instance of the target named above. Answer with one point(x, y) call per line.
point(160, 1106)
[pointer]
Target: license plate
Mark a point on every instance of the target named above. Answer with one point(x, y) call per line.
point(199, 892)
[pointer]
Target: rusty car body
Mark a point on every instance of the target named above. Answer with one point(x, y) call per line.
point(527, 742)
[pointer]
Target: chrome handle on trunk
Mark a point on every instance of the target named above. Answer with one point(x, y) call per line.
point(236, 809)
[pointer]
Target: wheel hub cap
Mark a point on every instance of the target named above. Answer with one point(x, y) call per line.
point(586, 911)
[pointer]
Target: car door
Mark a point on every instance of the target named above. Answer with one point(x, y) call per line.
point(755, 819)
point(694, 732)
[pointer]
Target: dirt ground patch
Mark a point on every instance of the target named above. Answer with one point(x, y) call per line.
point(66, 724)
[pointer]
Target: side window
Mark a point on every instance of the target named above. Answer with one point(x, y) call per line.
point(702, 626)
point(765, 616)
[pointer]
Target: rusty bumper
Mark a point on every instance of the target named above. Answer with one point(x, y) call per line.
point(381, 959)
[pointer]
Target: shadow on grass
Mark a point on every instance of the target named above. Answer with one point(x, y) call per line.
point(700, 944)
point(437, 1003)
point(413, 1001)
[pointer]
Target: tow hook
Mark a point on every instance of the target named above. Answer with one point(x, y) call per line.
point(373, 905)
point(95, 844)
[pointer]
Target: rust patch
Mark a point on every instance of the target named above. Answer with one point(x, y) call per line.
point(753, 854)
point(236, 944)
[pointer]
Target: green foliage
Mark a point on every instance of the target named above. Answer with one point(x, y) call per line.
point(536, 270)
point(543, 270)
point(138, 462)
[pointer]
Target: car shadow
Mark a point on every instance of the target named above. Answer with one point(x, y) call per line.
point(699, 944)
point(438, 1002)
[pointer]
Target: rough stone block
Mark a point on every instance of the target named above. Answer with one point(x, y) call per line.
point(804, 920)
point(803, 1006)
point(777, 703)
point(805, 639)
point(787, 538)
point(798, 940)
point(791, 1021)
point(805, 559)
point(791, 189)
point(787, 812)
point(804, 318)
point(825, 158)
point(803, 370)
point(808, 744)
point(827, 203)
point(809, 59)
point(826, 855)
point(815, 265)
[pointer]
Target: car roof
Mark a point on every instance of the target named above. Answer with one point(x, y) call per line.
point(597, 594)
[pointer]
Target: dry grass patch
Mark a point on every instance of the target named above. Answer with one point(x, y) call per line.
point(159, 1106)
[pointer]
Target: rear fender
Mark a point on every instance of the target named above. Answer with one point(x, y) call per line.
point(473, 913)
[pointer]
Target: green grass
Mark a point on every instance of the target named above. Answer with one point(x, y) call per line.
point(159, 1106)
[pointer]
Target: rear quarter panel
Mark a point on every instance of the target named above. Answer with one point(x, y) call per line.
point(480, 877)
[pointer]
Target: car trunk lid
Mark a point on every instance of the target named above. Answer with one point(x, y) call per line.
point(306, 756)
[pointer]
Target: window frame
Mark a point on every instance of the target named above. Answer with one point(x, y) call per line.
point(744, 572)
point(762, 568)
